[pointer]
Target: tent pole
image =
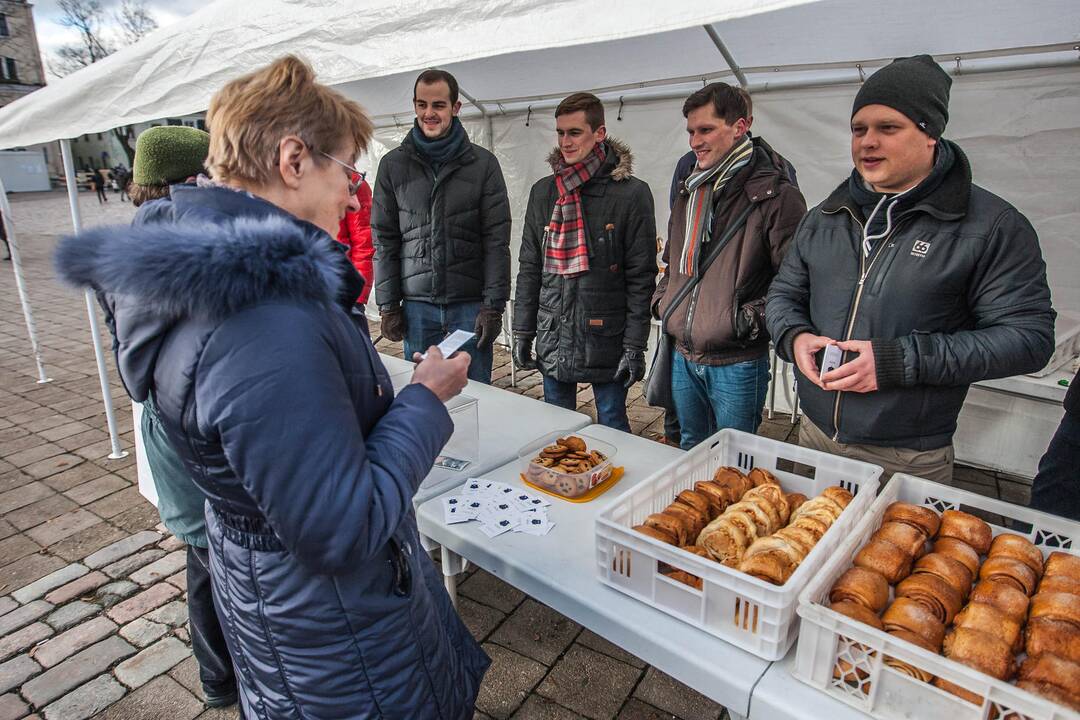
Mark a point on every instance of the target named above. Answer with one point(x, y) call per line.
point(24, 299)
point(95, 333)
point(715, 37)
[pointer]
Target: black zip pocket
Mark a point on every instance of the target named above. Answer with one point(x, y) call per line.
point(401, 572)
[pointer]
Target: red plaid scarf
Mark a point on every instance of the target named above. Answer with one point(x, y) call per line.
point(566, 250)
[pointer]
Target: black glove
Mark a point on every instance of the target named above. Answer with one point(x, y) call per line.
point(393, 324)
point(631, 367)
point(488, 326)
point(523, 356)
point(750, 320)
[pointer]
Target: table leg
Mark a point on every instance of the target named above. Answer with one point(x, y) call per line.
point(735, 716)
point(772, 384)
point(452, 564)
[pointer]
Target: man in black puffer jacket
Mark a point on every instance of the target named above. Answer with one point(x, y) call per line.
point(440, 221)
point(587, 267)
point(925, 281)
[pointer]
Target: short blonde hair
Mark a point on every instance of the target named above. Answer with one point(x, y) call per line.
point(250, 115)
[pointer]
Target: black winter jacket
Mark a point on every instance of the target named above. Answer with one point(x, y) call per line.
point(582, 324)
point(957, 293)
point(441, 238)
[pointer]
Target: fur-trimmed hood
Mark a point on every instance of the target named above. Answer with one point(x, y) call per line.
point(624, 166)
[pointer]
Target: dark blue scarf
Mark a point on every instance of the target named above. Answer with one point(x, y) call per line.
point(441, 150)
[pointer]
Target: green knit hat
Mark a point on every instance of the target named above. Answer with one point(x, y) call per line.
point(169, 154)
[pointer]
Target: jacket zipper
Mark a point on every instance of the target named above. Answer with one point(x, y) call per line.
point(864, 273)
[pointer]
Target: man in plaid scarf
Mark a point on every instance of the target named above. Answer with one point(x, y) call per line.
point(587, 267)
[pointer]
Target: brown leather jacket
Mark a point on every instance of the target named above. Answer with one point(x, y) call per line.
point(706, 326)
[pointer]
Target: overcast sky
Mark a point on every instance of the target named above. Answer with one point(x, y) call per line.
point(51, 35)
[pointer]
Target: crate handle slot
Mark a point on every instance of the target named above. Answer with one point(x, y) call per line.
point(939, 505)
point(1052, 540)
point(620, 560)
point(746, 461)
point(746, 615)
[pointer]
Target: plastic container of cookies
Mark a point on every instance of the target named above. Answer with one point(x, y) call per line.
point(572, 473)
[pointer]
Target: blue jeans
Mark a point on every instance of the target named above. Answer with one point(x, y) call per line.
point(428, 324)
point(709, 398)
point(610, 400)
point(1055, 488)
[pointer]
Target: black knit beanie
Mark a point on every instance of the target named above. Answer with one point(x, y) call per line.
point(916, 86)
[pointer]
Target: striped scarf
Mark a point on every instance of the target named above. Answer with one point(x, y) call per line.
point(699, 209)
point(566, 251)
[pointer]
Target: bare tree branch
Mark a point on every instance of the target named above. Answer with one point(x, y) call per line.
point(135, 21)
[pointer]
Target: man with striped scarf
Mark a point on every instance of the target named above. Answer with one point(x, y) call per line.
point(740, 205)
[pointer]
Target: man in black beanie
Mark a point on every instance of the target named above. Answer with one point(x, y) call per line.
point(925, 281)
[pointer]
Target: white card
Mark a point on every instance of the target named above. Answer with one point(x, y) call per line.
point(452, 342)
point(498, 527)
point(456, 510)
point(535, 525)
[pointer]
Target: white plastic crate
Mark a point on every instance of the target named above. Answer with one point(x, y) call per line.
point(827, 636)
point(753, 614)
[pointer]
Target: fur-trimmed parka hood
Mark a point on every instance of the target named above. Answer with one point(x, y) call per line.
point(621, 168)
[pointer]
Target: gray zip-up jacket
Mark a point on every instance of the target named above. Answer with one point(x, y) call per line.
point(954, 294)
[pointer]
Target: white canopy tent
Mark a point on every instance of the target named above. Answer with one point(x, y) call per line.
point(1015, 107)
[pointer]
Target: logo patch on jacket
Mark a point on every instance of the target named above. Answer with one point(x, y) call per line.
point(920, 248)
point(596, 322)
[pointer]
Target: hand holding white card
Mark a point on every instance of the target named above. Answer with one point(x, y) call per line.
point(453, 342)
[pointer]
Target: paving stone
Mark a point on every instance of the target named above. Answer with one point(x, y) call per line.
point(61, 527)
point(86, 701)
point(160, 569)
point(483, 587)
point(12, 707)
point(172, 543)
point(25, 570)
point(182, 633)
point(23, 616)
point(7, 605)
point(17, 546)
point(594, 642)
point(87, 541)
point(634, 709)
point(123, 568)
point(174, 614)
point(76, 670)
point(64, 430)
point(141, 632)
point(142, 516)
point(540, 708)
point(112, 505)
point(480, 619)
point(23, 496)
point(160, 699)
point(82, 586)
point(16, 671)
point(179, 580)
point(52, 465)
point(96, 489)
point(229, 713)
point(589, 683)
point(121, 549)
point(114, 592)
point(668, 694)
point(508, 681)
point(144, 602)
point(68, 643)
point(187, 674)
point(74, 477)
point(39, 453)
point(39, 588)
point(1018, 493)
point(22, 639)
point(536, 631)
point(151, 662)
point(41, 511)
point(13, 480)
point(72, 614)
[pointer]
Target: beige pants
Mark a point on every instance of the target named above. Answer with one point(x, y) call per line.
point(936, 465)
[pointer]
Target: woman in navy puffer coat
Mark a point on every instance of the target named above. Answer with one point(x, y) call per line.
point(235, 313)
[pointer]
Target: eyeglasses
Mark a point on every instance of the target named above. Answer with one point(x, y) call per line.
point(356, 178)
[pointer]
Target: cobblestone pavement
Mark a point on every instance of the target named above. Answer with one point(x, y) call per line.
point(93, 618)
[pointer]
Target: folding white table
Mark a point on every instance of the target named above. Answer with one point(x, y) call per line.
point(559, 570)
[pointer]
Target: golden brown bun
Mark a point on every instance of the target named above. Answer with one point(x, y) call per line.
point(795, 501)
point(799, 537)
point(909, 539)
point(822, 507)
point(1053, 670)
point(1056, 606)
point(774, 542)
point(745, 521)
point(983, 652)
point(966, 527)
point(714, 494)
point(1052, 693)
point(938, 596)
point(1061, 563)
point(777, 512)
point(695, 500)
point(1059, 583)
point(774, 495)
point(900, 665)
point(958, 691)
point(812, 525)
point(696, 550)
point(733, 478)
point(674, 526)
point(760, 476)
point(858, 612)
point(724, 543)
point(656, 533)
point(696, 519)
point(1007, 569)
point(1018, 548)
point(959, 550)
point(988, 619)
point(685, 578)
point(1004, 596)
point(1045, 635)
point(951, 571)
point(772, 566)
point(883, 557)
point(906, 614)
point(764, 522)
point(865, 587)
point(915, 515)
point(838, 495)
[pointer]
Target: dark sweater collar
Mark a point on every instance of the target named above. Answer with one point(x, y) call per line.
point(441, 150)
